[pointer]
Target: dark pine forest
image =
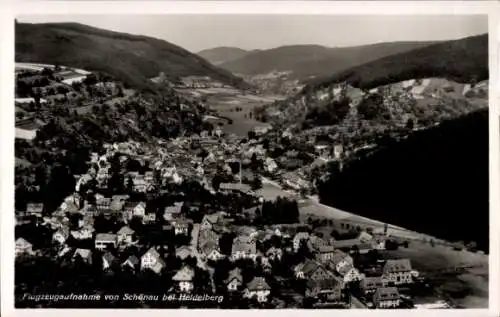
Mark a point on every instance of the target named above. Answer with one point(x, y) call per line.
point(435, 182)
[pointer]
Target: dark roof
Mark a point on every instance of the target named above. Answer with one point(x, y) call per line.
point(125, 230)
point(109, 257)
point(153, 252)
point(338, 256)
point(107, 237)
point(213, 218)
point(399, 265)
point(372, 281)
point(244, 246)
point(234, 274)
point(386, 293)
point(308, 266)
point(207, 235)
point(184, 274)
point(329, 283)
point(258, 284)
point(345, 269)
point(209, 246)
point(34, 206)
point(133, 259)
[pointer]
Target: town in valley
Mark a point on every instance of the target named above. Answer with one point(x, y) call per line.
point(201, 191)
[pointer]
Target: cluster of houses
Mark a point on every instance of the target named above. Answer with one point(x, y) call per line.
point(333, 268)
point(327, 274)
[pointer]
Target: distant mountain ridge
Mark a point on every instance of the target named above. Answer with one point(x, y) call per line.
point(306, 61)
point(462, 60)
point(222, 54)
point(377, 97)
point(132, 58)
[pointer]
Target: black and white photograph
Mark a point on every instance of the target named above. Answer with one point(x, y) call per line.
point(251, 161)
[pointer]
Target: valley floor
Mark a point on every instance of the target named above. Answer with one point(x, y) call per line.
point(227, 103)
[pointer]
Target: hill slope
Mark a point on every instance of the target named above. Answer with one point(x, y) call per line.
point(462, 60)
point(314, 60)
point(219, 55)
point(435, 181)
point(131, 58)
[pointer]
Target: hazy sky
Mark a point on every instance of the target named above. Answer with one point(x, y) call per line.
point(197, 32)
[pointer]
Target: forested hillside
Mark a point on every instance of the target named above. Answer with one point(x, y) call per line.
point(435, 181)
point(131, 58)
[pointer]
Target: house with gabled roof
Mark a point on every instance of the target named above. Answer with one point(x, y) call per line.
point(207, 235)
point(149, 176)
point(371, 283)
point(397, 272)
point(84, 233)
point(257, 288)
point(172, 212)
point(386, 297)
point(314, 242)
point(310, 269)
point(23, 247)
point(184, 278)
point(103, 205)
point(211, 250)
point(117, 205)
point(183, 252)
point(105, 240)
point(90, 210)
point(139, 209)
point(84, 255)
point(350, 274)
point(65, 250)
point(324, 253)
point(234, 280)
point(181, 226)
point(108, 261)
point(140, 184)
point(209, 221)
point(69, 207)
point(329, 289)
point(132, 262)
point(151, 260)
point(125, 235)
point(61, 235)
point(243, 248)
point(340, 259)
point(34, 209)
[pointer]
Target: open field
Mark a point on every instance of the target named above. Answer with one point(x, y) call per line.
point(270, 192)
point(225, 102)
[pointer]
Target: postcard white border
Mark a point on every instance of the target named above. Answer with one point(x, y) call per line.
point(8, 13)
